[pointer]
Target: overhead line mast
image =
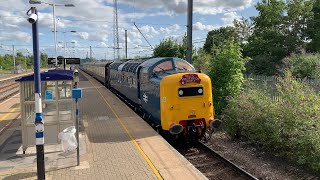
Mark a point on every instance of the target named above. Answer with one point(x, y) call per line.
point(115, 31)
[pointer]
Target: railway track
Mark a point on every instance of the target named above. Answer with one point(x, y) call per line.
point(211, 164)
point(8, 90)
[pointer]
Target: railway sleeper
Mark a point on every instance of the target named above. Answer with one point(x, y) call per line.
point(220, 173)
point(208, 164)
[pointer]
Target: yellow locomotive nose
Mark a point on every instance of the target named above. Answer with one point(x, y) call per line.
point(186, 98)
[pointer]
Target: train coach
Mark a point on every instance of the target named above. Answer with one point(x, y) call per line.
point(169, 91)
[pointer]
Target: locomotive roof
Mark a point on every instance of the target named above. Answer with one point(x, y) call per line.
point(99, 63)
point(128, 66)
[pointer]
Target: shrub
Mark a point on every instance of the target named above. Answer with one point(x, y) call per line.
point(288, 128)
point(304, 65)
point(226, 73)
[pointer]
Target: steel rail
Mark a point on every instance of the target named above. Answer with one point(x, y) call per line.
point(228, 163)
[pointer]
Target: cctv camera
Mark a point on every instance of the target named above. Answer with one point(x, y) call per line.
point(32, 18)
point(76, 77)
point(76, 73)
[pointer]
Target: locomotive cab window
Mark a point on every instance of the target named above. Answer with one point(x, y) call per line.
point(164, 66)
point(182, 65)
point(190, 91)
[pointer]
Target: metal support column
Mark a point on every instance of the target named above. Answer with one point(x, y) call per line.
point(39, 125)
point(77, 132)
point(54, 34)
point(14, 60)
point(189, 31)
point(126, 41)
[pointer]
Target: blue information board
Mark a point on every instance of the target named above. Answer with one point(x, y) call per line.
point(48, 95)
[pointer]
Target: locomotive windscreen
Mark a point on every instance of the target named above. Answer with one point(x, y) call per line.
point(190, 91)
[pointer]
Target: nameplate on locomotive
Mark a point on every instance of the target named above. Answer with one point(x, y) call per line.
point(190, 78)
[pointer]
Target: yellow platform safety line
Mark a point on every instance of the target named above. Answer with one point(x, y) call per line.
point(155, 171)
point(6, 115)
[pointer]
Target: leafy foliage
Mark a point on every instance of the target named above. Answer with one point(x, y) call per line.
point(279, 30)
point(171, 48)
point(304, 65)
point(6, 61)
point(202, 61)
point(313, 29)
point(226, 73)
point(216, 38)
point(289, 128)
point(167, 48)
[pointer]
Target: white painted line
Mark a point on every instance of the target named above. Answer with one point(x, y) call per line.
point(9, 99)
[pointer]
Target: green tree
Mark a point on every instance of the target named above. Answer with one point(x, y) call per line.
point(243, 28)
point(298, 13)
point(216, 38)
point(167, 48)
point(183, 47)
point(226, 73)
point(314, 28)
point(265, 46)
point(43, 60)
point(202, 61)
point(279, 30)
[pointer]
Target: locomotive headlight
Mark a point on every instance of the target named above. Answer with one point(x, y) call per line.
point(200, 91)
point(180, 92)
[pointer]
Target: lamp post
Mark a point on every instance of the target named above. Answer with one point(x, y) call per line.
point(54, 22)
point(64, 40)
point(66, 43)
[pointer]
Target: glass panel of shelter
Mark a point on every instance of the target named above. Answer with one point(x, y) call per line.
point(64, 89)
point(65, 111)
point(50, 109)
point(48, 90)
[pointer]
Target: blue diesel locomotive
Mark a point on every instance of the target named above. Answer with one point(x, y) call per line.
point(175, 97)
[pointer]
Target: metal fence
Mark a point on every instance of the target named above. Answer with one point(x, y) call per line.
point(268, 83)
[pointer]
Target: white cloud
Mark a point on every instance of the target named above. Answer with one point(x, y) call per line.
point(229, 17)
point(103, 44)
point(148, 30)
point(93, 36)
point(137, 42)
point(180, 6)
point(15, 36)
point(170, 29)
point(198, 26)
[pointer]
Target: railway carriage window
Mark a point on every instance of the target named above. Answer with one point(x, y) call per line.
point(164, 66)
point(182, 65)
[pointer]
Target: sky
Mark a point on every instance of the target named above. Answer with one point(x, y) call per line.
point(93, 22)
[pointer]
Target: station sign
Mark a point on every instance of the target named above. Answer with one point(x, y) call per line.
point(72, 60)
point(53, 61)
point(62, 60)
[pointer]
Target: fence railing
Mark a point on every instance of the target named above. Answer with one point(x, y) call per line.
point(269, 83)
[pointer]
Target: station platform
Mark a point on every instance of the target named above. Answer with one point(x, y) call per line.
point(119, 144)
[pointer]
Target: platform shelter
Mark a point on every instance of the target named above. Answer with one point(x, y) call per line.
point(58, 107)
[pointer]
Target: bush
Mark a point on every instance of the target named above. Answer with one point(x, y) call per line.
point(226, 73)
point(304, 65)
point(289, 128)
point(202, 61)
